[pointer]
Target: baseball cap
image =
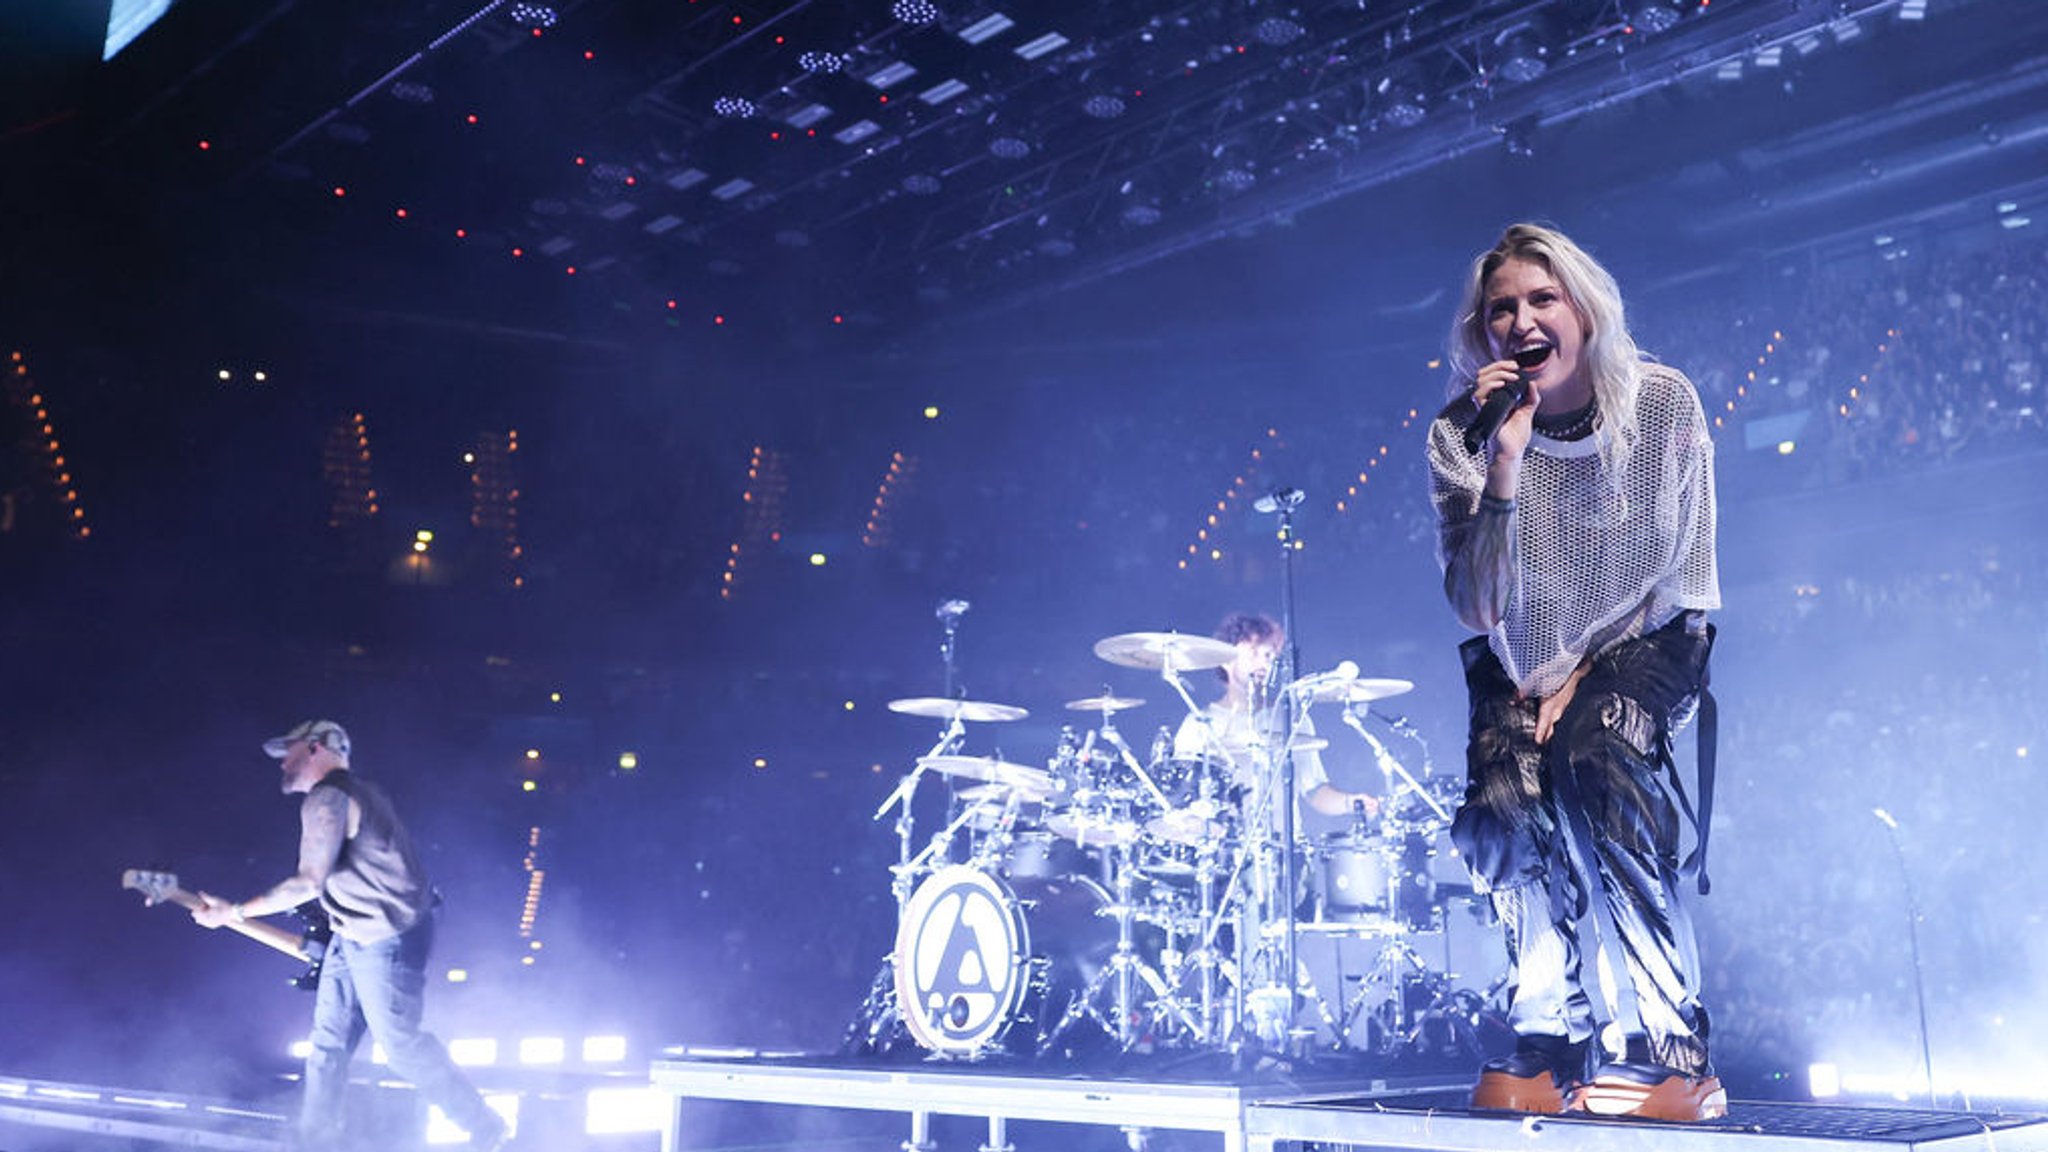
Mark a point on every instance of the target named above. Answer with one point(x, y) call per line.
point(326, 732)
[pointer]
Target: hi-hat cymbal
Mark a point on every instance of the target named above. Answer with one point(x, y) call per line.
point(1161, 649)
point(1104, 704)
point(943, 708)
point(1361, 690)
point(987, 768)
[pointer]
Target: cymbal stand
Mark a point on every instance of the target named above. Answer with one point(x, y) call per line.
point(1390, 767)
point(1210, 919)
point(904, 868)
point(1396, 966)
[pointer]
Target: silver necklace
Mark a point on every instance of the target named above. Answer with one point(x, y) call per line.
point(1579, 425)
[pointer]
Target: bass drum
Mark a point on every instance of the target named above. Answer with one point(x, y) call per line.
point(987, 965)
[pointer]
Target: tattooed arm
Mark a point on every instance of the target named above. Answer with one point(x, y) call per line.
point(323, 829)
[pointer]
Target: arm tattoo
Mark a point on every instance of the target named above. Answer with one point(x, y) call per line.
point(323, 827)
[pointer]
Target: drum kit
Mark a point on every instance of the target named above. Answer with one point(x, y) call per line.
point(1105, 902)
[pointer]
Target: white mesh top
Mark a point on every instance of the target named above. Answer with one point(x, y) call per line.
point(1575, 564)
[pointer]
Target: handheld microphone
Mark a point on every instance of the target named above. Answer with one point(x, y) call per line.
point(1506, 399)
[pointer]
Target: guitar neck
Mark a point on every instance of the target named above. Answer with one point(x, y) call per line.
point(268, 935)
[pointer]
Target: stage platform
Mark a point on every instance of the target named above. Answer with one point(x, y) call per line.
point(1286, 1109)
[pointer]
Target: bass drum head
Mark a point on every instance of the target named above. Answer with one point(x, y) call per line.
point(962, 954)
point(985, 965)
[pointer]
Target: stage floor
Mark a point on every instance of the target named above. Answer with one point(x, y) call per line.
point(734, 1102)
point(1275, 1107)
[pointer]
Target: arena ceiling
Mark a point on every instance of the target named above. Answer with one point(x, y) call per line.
point(889, 161)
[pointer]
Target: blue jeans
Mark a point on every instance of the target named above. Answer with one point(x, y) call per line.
point(380, 989)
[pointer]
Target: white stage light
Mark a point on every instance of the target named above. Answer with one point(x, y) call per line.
point(442, 1131)
point(604, 1049)
point(612, 1111)
point(474, 1051)
point(1824, 1081)
point(542, 1050)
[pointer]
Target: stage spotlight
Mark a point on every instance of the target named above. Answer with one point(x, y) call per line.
point(1103, 106)
point(821, 63)
point(918, 12)
point(1009, 148)
point(1400, 101)
point(1521, 57)
point(922, 184)
point(1520, 136)
point(528, 15)
point(733, 107)
point(604, 1049)
point(1654, 16)
point(1278, 30)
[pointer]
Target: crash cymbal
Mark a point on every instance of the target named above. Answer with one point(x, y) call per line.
point(1104, 704)
point(998, 795)
point(987, 768)
point(943, 708)
point(1361, 690)
point(1159, 649)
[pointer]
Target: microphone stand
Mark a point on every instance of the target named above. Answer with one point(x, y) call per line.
point(1913, 942)
point(1285, 502)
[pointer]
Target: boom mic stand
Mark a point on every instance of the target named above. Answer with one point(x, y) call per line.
point(1913, 942)
point(1284, 501)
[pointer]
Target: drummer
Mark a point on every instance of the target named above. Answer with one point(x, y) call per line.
point(1242, 728)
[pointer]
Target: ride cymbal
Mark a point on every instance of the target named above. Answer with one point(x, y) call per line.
point(1164, 649)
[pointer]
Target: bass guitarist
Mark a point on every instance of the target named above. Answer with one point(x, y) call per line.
point(356, 858)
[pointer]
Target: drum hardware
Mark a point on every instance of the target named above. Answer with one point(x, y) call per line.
point(1127, 967)
point(1391, 768)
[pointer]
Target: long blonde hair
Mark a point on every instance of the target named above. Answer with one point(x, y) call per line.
point(1612, 359)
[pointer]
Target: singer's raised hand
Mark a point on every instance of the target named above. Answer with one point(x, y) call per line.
point(1504, 467)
